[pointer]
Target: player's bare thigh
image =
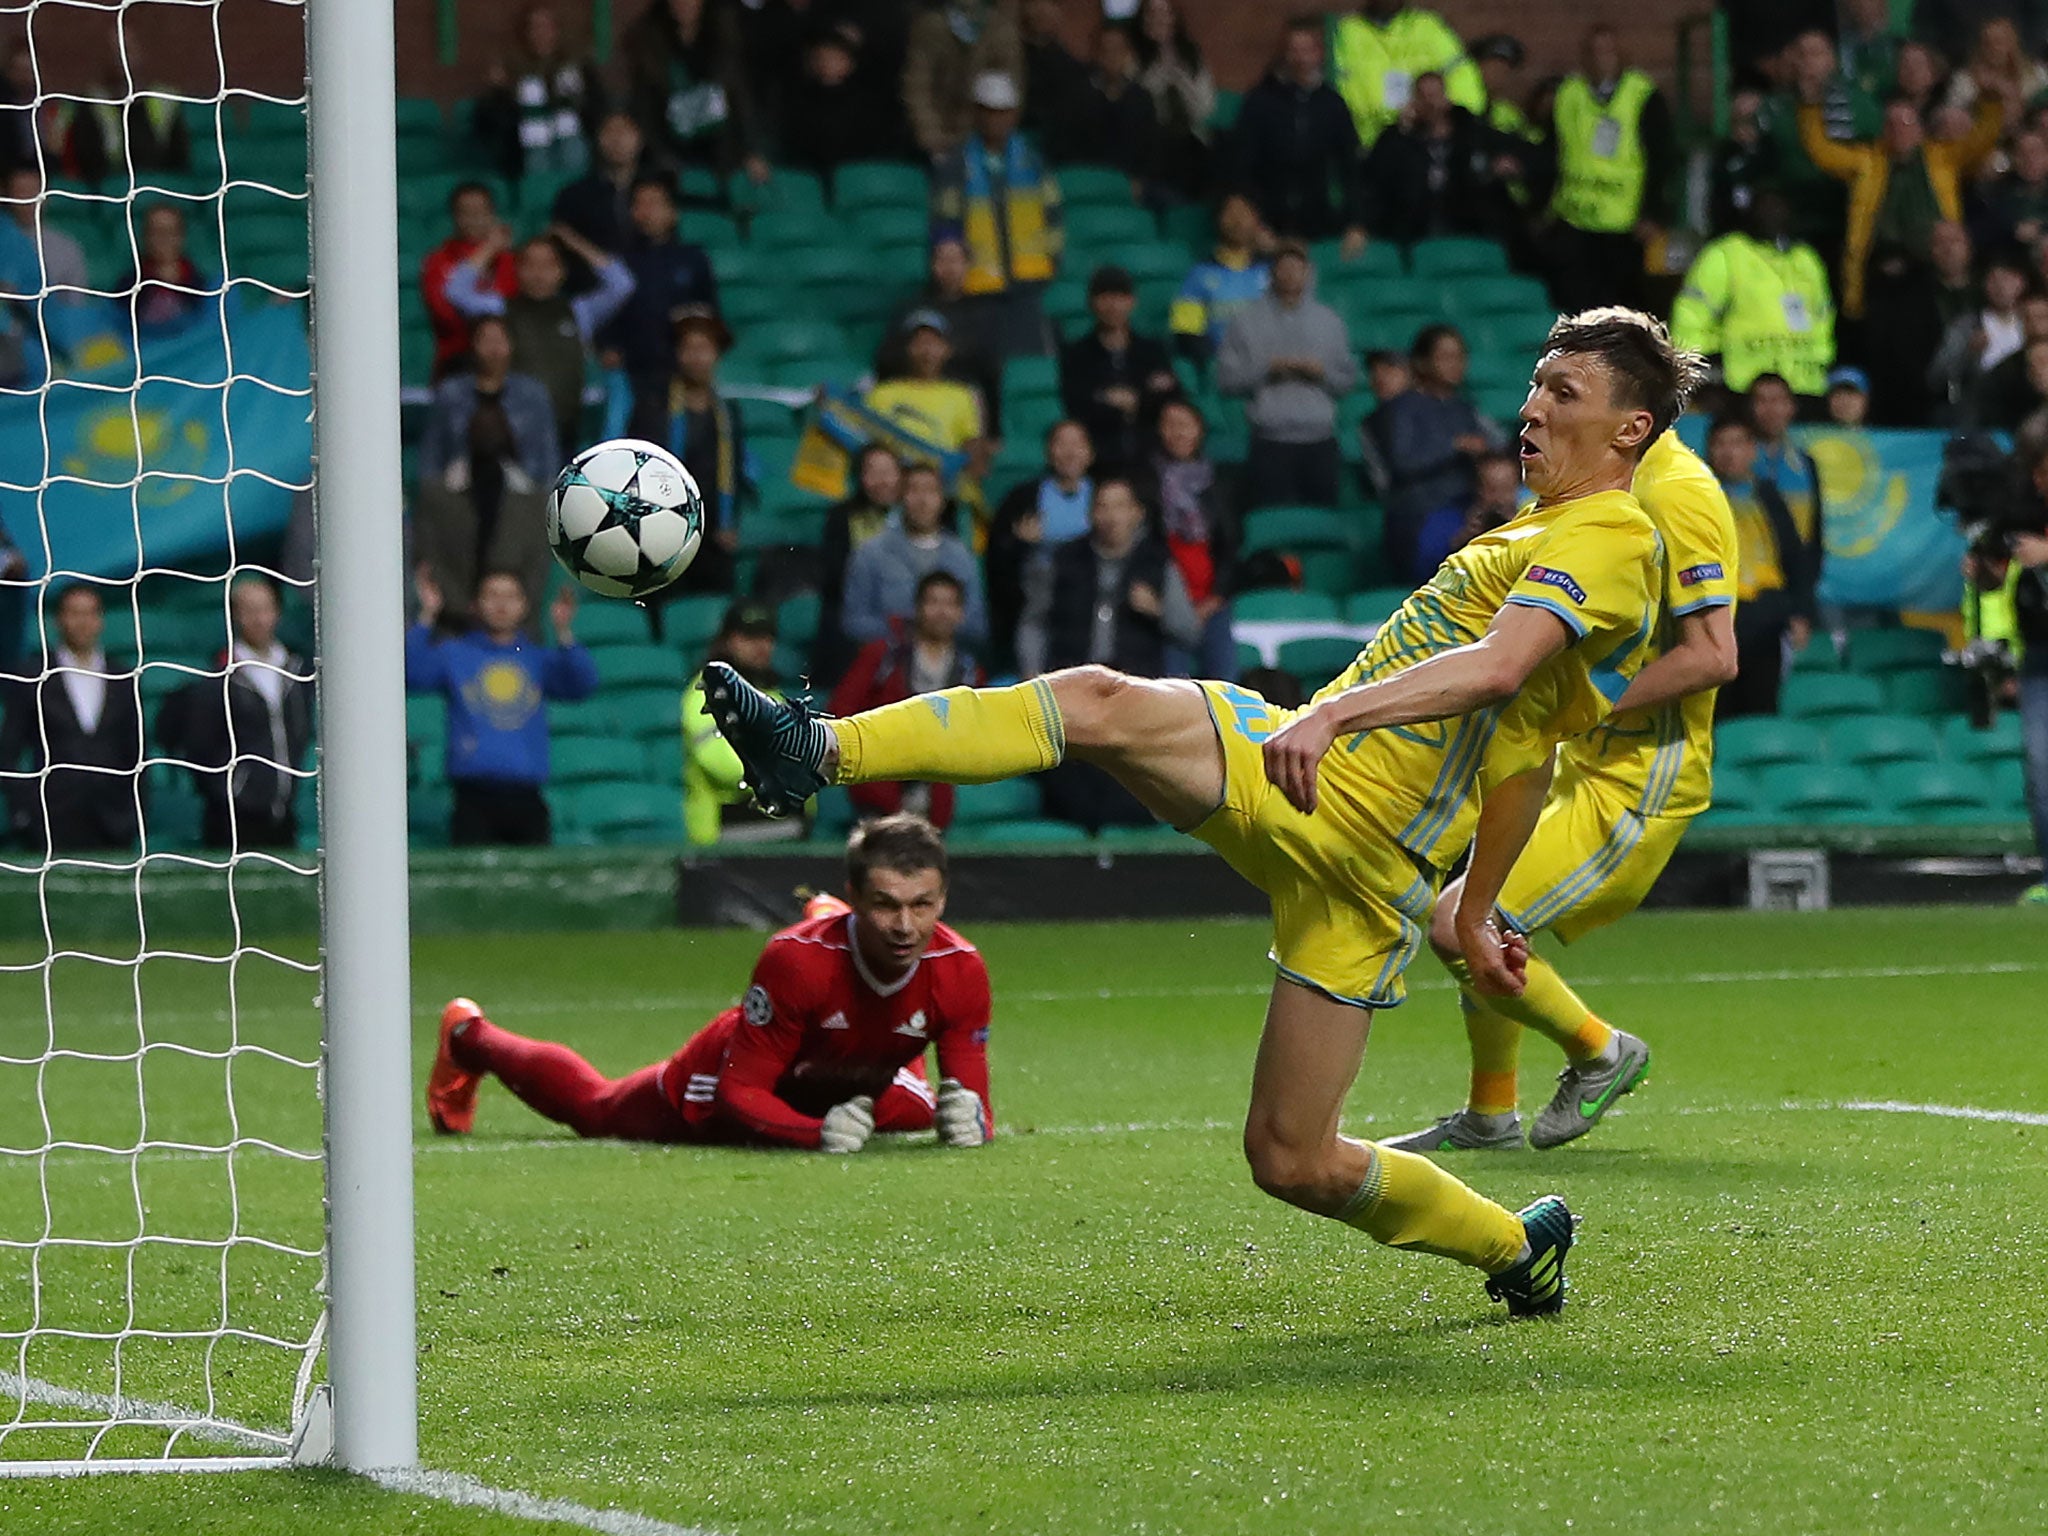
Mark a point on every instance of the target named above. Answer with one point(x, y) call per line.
point(1153, 735)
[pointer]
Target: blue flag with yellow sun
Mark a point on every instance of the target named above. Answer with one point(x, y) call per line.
point(159, 460)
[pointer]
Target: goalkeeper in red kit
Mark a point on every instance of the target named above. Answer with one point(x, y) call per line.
point(826, 1048)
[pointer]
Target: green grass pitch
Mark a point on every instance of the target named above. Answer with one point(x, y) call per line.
point(1787, 1315)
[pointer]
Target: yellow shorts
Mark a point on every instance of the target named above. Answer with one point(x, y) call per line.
point(1351, 906)
point(1590, 861)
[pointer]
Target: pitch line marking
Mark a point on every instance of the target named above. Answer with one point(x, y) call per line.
point(449, 1487)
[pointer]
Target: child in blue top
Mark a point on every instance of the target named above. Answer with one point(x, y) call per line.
point(496, 681)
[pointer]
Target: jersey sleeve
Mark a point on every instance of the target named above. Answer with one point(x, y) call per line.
point(1594, 574)
point(1699, 548)
point(962, 1040)
point(771, 1030)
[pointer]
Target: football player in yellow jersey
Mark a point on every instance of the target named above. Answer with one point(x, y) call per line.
point(1347, 813)
point(1625, 793)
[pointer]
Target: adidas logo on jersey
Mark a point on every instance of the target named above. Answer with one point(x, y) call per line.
point(913, 1026)
point(837, 1021)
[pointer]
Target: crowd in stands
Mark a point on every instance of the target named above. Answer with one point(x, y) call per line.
point(1145, 322)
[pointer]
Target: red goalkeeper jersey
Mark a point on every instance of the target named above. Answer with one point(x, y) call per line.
point(815, 1029)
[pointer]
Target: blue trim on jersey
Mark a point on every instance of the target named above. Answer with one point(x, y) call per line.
point(1587, 878)
point(1320, 990)
point(1703, 603)
point(1571, 620)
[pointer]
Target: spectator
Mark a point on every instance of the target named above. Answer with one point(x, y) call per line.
point(715, 799)
point(941, 413)
point(952, 45)
point(15, 586)
point(1117, 114)
point(1920, 77)
point(551, 332)
point(1930, 299)
point(170, 292)
point(92, 140)
point(839, 107)
point(474, 213)
point(922, 656)
point(1387, 374)
point(1113, 380)
point(1900, 186)
point(2021, 405)
point(487, 457)
point(1977, 343)
point(61, 257)
point(1616, 158)
point(1868, 45)
point(1810, 70)
point(1198, 509)
point(1380, 54)
point(1496, 498)
point(877, 492)
point(1216, 289)
point(1036, 516)
point(669, 276)
point(882, 576)
point(78, 730)
point(1433, 438)
point(2016, 204)
point(1760, 303)
point(995, 195)
point(18, 94)
point(1743, 163)
point(245, 734)
point(697, 424)
point(542, 105)
point(1499, 58)
point(1848, 397)
point(1292, 357)
point(599, 206)
point(1054, 87)
point(687, 80)
point(497, 683)
point(1294, 142)
point(1387, 377)
point(1774, 586)
point(2023, 596)
point(1998, 69)
point(1430, 173)
point(2004, 397)
point(1783, 464)
point(973, 353)
point(1183, 92)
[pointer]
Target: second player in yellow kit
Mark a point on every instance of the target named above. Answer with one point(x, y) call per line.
point(1623, 796)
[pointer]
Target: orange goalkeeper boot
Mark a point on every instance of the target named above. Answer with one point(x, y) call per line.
point(451, 1087)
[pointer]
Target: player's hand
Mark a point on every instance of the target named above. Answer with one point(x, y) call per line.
point(1498, 962)
point(961, 1119)
point(1293, 755)
point(2030, 549)
point(848, 1126)
point(562, 615)
point(428, 591)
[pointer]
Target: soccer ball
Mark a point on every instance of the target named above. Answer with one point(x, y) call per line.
point(625, 518)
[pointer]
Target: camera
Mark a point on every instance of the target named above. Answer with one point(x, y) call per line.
point(1988, 493)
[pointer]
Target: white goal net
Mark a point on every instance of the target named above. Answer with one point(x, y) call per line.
point(162, 1253)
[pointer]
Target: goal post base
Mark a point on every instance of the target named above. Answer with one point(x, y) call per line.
point(313, 1440)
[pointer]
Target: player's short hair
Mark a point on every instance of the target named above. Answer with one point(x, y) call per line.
point(903, 844)
point(1647, 371)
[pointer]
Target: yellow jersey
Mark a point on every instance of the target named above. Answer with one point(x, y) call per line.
point(1663, 758)
point(1595, 563)
point(940, 411)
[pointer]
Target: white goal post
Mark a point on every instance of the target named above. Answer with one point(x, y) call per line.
point(273, 1290)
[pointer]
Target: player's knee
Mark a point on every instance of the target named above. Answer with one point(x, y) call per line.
point(1094, 704)
point(1282, 1169)
point(1443, 931)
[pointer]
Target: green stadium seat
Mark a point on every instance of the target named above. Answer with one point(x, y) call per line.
point(1032, 830)
point(747, 305)
point(1963, 742)
point(428, 762)
point(174, 811)
point(639, 666)
point(1094, 228)
point(1736, 790)
point(1764, 741)
point(189, 635)
point(428, 808)
point(1334, 571)
point(1317, 658)
point(584, 759)
point(426, 717)
point(796, 621)
point(623, 811)
point(784, 191)
point(796, 229)
point(1929, 791)
point(645, 711)
point(689, 622)
point(1457, 256)
point(1500, 402)
point(1493, 370)
point(1866, 741)
point(812, 372)
point(1502, 295)
point(1819, 792)
point(778, 340)
point(1519, 333)
point(1148, 261)
point(1278, 604)
point(1024, 377)
point(1094, 186)
point(1894, 650)
point(793, 666)
point(737, 265)
point(1009, 800)
point(1928, 691)
point(1249, 656)
point(601, 624)
point(1392, 293)
point(879, 184)
point(2007, 780)
point(267, 119)
point(714, 231)
point(832, 813)
point(882, 227)
point(771, 421)
point(1817, 655)
point(1298, 528)
point(420, 117)
point(1375, 605)
point(582, 717)
point(1815, 695)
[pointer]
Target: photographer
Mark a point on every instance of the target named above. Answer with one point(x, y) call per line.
point(2006, 568)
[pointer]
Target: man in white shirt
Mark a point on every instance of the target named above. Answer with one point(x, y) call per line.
point(71, 743)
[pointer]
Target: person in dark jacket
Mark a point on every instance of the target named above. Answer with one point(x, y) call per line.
point(1198, 509)
point(921, 656)
point(840, 105)
point(497, 683)
point(245, 733)
point(79, 727)
point(1774, 583)
point(669, 275)
point(877, 493)
point(1114, 380)
point(1294, 149)
point(1432, 437)
point(691, 417)
point(541, 105)
point(1432, 173)
point(689, 88)
point(1118, 115)
point(599, 206)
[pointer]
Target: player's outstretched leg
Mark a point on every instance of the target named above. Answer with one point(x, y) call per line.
point(1155, 736)
point(1308, 1056)
point(549, 1079)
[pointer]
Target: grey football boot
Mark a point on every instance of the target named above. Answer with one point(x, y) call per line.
point(1460, 1132)
point(1586, 1092)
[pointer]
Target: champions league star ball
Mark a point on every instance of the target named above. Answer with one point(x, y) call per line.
point(625, 518)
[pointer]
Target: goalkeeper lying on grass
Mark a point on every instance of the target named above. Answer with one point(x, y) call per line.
point(826, 1048)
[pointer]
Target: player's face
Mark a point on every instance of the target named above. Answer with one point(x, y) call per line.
point(894, 915)
point(1572, 426)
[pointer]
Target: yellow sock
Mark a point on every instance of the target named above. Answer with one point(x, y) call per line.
point(1409, 1202)
point(1496, 1047)
point(956, 736)
point(1551, 1008)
